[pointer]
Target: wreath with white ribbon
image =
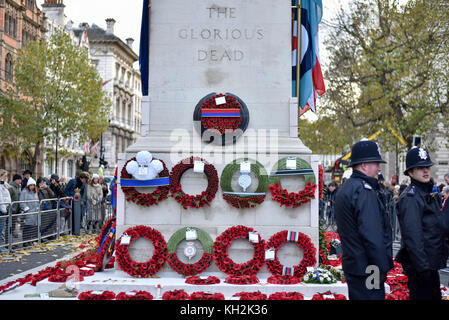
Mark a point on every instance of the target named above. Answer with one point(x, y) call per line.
point(243, 199)
point(189, 269)
point(144, 171)
point(287, 167)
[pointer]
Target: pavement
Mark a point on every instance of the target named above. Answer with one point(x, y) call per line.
point(21, 260)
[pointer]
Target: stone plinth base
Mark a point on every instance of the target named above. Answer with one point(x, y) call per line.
point(118, 281)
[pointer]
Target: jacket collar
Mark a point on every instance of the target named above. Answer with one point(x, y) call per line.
point(425, 187)
point(371, 181)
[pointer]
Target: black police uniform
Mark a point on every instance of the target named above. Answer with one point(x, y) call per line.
point(364, 228)
point(423, 246)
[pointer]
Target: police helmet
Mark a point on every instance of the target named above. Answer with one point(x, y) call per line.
point(365, 151)
point(417, 157)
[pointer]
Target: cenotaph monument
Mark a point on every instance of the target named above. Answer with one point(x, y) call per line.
point(216, 51)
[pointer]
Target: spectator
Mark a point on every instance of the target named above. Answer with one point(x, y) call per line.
point(403, 185)
point(79, 183)
point(386, 197)
point(63, 182)
point(26, 175)
point(5, 198)
point(56, 187)
point(105, 189)
point(94, 198)
point(30, 208)
point(48, 218)
point(64, 205)
point(14, 191)
point(446, 178)
point(330, 200)
point(445, 209)
point(394, 180)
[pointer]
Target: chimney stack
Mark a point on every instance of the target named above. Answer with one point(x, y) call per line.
point(130, 42)
point(110, 25)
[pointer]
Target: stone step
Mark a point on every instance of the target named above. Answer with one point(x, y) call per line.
point(119, 282)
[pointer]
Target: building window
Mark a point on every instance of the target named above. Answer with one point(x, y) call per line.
point(69, 168)
point(10, 25)
point(30, 4)
point(8, 67)
point(47, 167)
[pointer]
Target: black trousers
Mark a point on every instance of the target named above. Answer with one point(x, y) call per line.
point(358, 289)
point(429, 290)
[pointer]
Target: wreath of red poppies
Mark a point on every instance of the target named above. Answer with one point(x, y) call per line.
point(225, 264)
point(142, 269)
point(200, 295)
point(240, 280)
point(196, 201)
point(108, 246)
point(105, 229)
point(145, 199)
point(292, 199)
point(283, 280)
point(221, 123)
point(189, 269)
point(200, 281)
point(278, 240)
point(135, 295)
point(90, 295)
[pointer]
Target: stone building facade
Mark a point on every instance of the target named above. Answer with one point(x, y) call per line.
point(20, 21)
point(115, 61)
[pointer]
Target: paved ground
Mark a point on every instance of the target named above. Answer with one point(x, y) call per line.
point(22, 260)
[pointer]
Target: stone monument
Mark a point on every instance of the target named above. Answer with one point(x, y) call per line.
point(202, 47)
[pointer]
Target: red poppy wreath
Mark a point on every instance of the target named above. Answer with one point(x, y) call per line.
point(292, 199)
point(196, 201)
point(141, 269)
point(222, 117)
point(189, 269)
point(225, 264)
point(145, 199)
point(302, 241)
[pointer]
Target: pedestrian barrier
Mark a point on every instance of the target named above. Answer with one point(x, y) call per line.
point(52, 219)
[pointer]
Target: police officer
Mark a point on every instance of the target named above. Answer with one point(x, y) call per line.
point(363, 226)
point(423, 246)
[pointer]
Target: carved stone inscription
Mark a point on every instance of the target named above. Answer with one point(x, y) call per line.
point(220, 38)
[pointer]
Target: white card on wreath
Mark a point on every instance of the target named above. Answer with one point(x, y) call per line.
point(328, 296)
point(291, 164)
point(310, 269)
point(270, 254)
point(130, 293)
point(125, 240)
point(97, 292)
point(143, 170)
point(245, 167)
point(220, 101)
point(253, 237)
point(198, 166)
point(191, 234)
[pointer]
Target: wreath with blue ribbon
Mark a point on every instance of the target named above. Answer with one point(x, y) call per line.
point(129, 185)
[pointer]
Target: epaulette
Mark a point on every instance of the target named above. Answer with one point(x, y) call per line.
point(367, 186)
point(411, 191)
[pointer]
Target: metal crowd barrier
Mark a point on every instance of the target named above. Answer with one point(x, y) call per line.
point(52, 219)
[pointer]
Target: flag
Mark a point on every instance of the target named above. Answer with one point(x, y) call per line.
point(311, 77)
point(292, 236)
point(114, 191)
point(95, 148)
point(144, 59)
point(106, 82)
